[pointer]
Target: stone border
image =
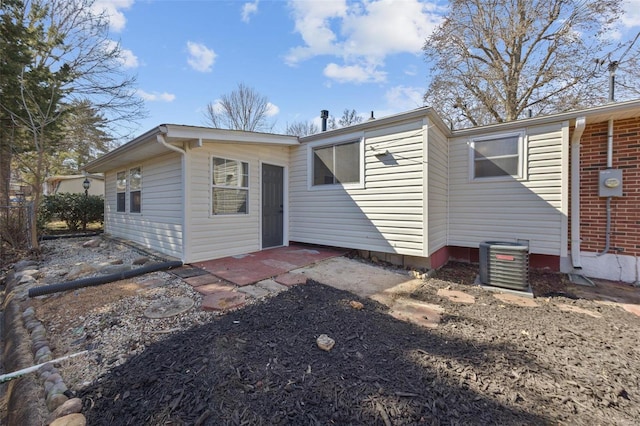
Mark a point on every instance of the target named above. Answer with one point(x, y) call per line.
point(26, 345)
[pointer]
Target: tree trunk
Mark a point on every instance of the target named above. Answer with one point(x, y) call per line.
point(5, 162)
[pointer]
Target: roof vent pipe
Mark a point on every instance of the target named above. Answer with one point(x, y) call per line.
point(324, 115)
point(372, 117)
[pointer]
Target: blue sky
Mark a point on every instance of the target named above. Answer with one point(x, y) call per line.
point(303, 55)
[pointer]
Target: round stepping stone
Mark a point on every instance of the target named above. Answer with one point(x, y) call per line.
point(570, 308)
point(634, 309)
point(456, 296)
point(169, 308)
point(223, 301)
point(512, 299)
point(420, 313)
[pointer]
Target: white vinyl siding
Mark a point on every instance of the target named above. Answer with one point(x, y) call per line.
point(437, 189)
point(216, 236)
point(159, 225)
point(385, 214)
point(511, 209)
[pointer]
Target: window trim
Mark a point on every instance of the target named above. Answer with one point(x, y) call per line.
point(126, 183)
point(129, 191)
point(521, 173)
point(212, 186)
point(359, 138)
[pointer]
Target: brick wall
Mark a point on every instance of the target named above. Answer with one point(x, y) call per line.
point(625, 213)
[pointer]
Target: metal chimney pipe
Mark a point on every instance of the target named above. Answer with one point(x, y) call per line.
point(324, 115)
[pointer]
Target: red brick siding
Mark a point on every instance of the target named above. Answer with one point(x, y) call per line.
point(625, 213)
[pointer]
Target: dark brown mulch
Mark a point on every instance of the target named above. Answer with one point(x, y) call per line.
point(486, 364)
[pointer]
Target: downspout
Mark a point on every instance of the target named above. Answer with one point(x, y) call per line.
point(183, 155)
point(575, 192)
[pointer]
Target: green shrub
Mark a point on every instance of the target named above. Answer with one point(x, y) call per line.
point(76, 210)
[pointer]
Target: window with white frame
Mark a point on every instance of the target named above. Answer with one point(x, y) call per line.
point(336, 164)
point(121, 191)
point(229, 186)
point(497, 156)
point(135, 190)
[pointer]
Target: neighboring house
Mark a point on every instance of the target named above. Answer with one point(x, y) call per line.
point(73, 184)
point(403, 188)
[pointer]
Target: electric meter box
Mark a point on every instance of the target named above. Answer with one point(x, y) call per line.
point(610, 183)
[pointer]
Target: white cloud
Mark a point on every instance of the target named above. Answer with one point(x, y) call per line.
point(201, 58)
point(126, 57)
point(272, 109)
point(361, 33)
point(354, 73)
point(111, 9)
point(249, 9)
point(403, 98)
point(156, 97)
point(631, 17)
point(129, 60)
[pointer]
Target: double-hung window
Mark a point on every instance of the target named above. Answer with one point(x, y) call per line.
point(121, 191)
point(135, 190)
point(229, 186)
point(336, 164)
point(497, 156)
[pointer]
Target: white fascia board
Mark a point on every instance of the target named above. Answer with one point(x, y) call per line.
point(597, 114)
point(227, 136)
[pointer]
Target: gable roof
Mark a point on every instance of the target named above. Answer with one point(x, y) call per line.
point(149, 145)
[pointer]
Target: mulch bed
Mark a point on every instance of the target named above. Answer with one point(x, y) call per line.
point(486, 364)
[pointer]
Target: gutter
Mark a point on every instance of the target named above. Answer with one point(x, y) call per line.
point(575, 191)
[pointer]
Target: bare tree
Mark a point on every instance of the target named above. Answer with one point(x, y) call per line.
point(242, 109)
point(494, 60)
point(349, 117)
point(302, 128)
point(70, 59)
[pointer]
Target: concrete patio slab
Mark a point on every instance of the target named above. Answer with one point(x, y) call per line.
point(357, 277)
point(254, 291)
point(290, 279)
point(271, 286)
point(253, 267)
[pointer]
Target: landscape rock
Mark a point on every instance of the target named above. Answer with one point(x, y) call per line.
point(325, 342)
point(140, 261)
point(72, 406)
point(54, 400)
point(75, 419)
point(93, 243)
point(24, 264)
point(80, 270)
point(356, 305)
point(115, 269)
